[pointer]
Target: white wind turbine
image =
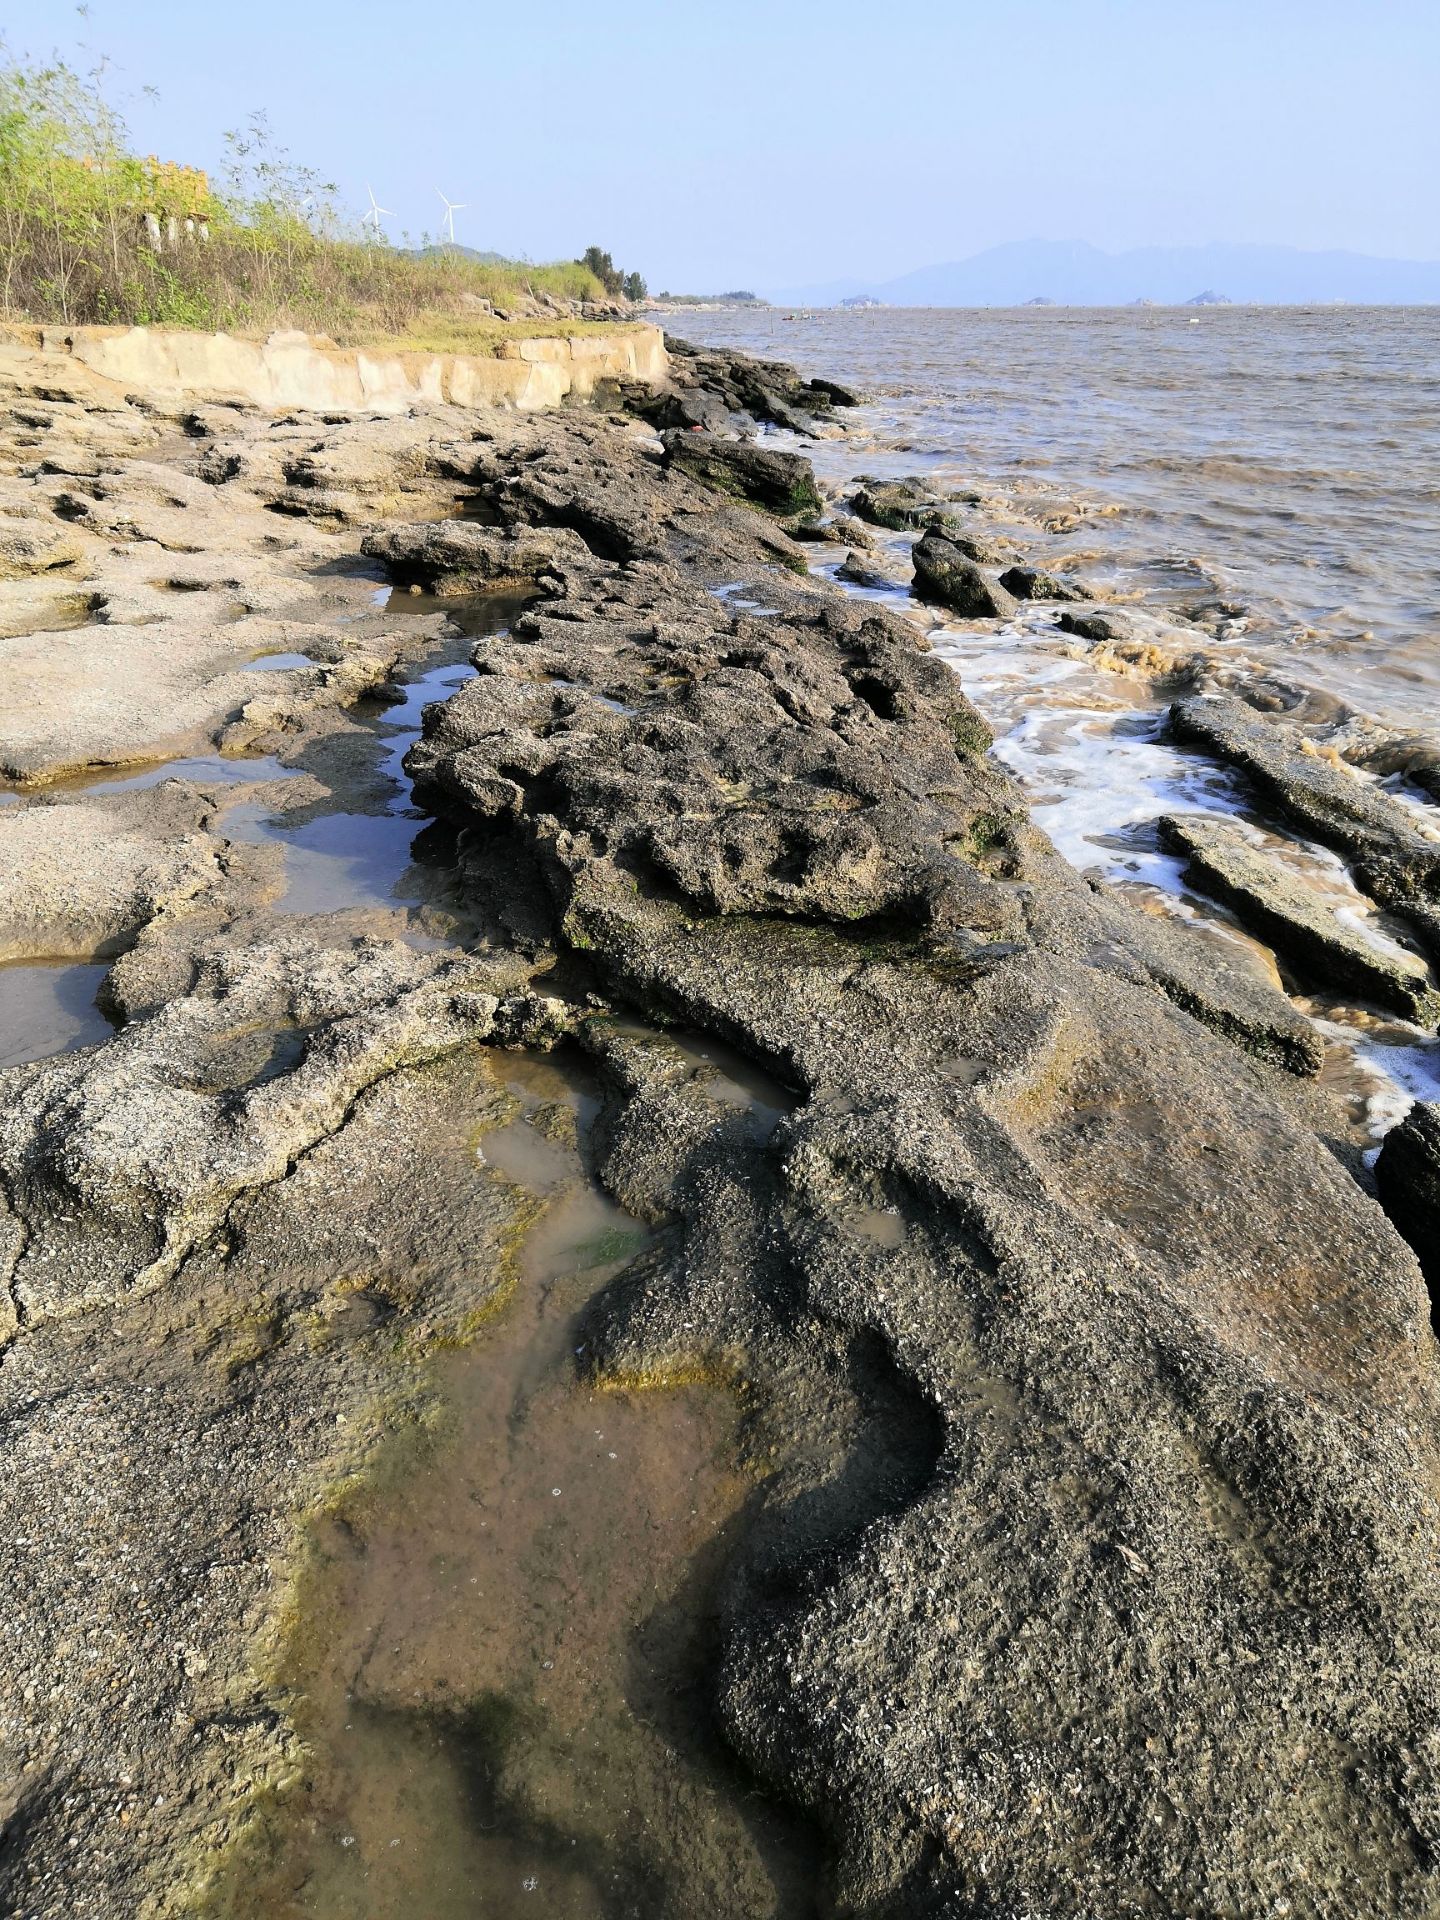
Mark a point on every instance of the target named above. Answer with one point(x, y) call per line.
point(376, 211)
point(452, 207)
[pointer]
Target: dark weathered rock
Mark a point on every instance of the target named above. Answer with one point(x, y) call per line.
point(897, 504)
point(703, 379)
point(945, 575)
point(1407, 1176)
point(1032, 583)
point(832, 391)
point(453, 557)
point(985, 553)
point(1039, 1220)
point(1101, 627)
point(1278, 906)
point(781, 483)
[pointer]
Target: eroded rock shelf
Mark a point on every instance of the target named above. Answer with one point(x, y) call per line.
point(1028, 1405)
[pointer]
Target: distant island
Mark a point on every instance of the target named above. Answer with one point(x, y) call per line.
point(741, 298)
point(1075, 274)
point(1206, 299)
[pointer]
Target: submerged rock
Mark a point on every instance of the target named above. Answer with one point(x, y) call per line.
point(1100, 627)
point(860, 572)
point(901, 505)
point(944, 574)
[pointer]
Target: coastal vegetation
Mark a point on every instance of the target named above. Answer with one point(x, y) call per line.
point(92, 231)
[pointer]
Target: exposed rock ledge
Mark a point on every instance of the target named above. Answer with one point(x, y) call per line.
point(292, 370)
point(1097, 1571)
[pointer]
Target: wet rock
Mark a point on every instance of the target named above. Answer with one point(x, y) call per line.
point(1032, 583)
point(781, 483)
point(860, 572)
point(945, 575)
point(1104, 628)
point(900, 505)
point(1407, 1177)
point(1393, 860)
point(1275, 904)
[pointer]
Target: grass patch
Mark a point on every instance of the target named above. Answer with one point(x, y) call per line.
point(442, 333)
point(92, 232)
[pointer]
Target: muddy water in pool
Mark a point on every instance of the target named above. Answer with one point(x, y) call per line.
point(1269, 476)
point(501, 1668)
point(49, 1006)
point(500, 1665)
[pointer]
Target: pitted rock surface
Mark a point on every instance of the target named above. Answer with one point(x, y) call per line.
point(1093, 1572)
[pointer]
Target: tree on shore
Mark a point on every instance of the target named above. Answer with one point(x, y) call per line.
point(616, 283)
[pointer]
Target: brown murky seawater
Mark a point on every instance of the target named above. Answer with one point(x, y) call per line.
point(500, 1670)
point(1285, 461)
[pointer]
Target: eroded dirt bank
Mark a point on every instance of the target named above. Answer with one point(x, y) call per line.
point(1063, 1457)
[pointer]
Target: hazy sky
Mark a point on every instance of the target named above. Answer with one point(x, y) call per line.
point(770, 142)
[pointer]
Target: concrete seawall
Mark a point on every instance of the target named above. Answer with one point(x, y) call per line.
point(294, 370)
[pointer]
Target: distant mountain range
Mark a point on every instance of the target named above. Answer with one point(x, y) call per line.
point(1070, 273)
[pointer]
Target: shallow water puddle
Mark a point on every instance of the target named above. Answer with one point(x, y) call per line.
point(337, 859)
point(204, 769)
point(501, 1692)
point(278, 662)
point(476, 615)
point(48, 1007)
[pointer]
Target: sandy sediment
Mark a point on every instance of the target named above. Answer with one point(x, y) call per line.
point(1091, 1569)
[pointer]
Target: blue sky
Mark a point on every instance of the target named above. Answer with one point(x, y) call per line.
point(770, 142)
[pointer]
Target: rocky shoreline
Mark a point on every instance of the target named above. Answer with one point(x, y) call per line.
point(1087, 1390)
